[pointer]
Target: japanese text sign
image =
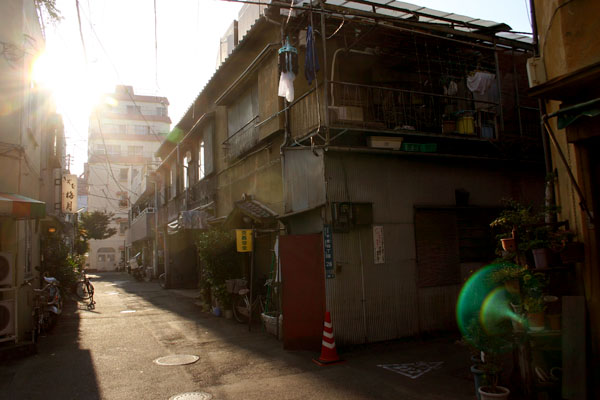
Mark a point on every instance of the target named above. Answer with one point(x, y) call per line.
point(69, 194)
point(243, 239)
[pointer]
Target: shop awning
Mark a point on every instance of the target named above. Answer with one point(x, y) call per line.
point(568, 115)
point(17, 206)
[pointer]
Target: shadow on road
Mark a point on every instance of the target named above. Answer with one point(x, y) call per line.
point(59, 370)
point(255, 354)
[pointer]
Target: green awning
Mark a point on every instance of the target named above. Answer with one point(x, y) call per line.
point(568, 115)
point(17, 206)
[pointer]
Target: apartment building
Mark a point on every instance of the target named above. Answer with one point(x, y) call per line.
point(124, 132)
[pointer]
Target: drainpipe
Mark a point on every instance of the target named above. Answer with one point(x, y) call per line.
point(155, 255)
point(325, 83)
point(549, 194)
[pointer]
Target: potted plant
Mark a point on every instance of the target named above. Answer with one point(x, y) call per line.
point(492, 343)
point(509, 275)
point(535, 307)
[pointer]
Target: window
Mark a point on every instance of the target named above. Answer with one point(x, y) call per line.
point(141, 129)
point(122, 227)
point(123, 174)
point(101, 257)
point(245, 110)
point(161, 111)
point(113, 149)
point(134, 110)
point(186, 170)
point(100, 149)
point(201, 160)
point(135, 150)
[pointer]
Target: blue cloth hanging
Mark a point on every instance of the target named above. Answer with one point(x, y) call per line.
point(310, 68)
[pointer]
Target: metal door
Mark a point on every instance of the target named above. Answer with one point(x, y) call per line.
point(303, 293)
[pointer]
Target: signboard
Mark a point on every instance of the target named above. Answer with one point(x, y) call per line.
point(243, 239)
point(378, 245)
point(328, 251)
point(69, 194)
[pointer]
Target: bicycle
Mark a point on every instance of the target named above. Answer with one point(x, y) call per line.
point(85, 291)
point(241, 305)
point(43, 320)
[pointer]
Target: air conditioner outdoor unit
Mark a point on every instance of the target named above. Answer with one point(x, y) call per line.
point(6, 269)
point(536, 71)
point(7, 317)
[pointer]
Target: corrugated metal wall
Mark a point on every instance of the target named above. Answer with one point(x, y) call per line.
point(393, 305)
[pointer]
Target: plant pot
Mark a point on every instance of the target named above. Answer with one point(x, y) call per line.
point(477, 378)
point(572, 253)
point(542, 257)
point(228, 314)
point(554, 321)
point(512, 286)
point(509, 244)
point(485, 393)
point(536, 321)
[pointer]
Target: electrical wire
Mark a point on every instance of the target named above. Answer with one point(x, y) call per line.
point(551, 22)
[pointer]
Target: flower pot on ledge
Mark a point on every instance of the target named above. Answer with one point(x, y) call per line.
point(509, 244)
point(536, 321)
point(487, 393)
point(542, 257)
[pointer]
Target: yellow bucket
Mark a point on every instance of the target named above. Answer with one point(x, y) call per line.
point(465, 125)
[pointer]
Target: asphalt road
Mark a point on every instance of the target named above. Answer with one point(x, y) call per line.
point(109, 353)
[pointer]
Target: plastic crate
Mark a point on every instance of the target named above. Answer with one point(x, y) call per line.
point(428, 147)
point(411, 147)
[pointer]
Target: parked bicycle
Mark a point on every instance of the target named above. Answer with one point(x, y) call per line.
point(47, 306)
point(85, 291)
point(241, 305)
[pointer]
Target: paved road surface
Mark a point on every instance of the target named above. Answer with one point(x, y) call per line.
point(108, 353)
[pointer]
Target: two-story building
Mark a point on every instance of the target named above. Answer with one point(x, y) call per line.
point(378, 175)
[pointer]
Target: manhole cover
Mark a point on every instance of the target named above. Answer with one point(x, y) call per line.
point(192, 396)
point(178, 359)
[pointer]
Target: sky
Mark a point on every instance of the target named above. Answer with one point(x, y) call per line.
point(119, 39)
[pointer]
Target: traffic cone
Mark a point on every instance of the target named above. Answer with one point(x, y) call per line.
point(328, 352)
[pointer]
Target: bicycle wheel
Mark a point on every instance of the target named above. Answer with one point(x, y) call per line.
point(240, 309)
point(82, 290)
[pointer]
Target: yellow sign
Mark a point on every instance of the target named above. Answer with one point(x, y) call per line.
point(243, 240)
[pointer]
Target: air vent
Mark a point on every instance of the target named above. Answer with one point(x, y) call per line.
point(7, 317)
point(6, 269)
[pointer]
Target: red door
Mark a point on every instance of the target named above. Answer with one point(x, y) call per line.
point(303, 294)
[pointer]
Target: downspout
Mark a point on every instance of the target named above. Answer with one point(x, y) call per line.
point(325, 83)
point(549, 194)
point(155, 261)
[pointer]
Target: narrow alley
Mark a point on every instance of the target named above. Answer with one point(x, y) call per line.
point(109, 353)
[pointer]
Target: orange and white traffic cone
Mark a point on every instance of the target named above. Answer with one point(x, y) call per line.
point(328, 352)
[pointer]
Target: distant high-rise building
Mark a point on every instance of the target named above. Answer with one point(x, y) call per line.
point(125, 131)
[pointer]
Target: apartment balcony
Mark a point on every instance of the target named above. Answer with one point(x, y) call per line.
point(142, 226)
point(387, 110)
point(243, 140)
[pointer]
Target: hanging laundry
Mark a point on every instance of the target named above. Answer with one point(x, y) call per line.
point(480, 82)
point(286, 86)
point(484, 88)
point(288, 68)
point(311, 61)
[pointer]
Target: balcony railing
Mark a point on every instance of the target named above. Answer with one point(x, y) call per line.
point(142, 226)
point(376, 108)
point(243, 140)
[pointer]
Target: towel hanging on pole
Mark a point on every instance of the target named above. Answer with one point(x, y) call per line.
point(311, 61)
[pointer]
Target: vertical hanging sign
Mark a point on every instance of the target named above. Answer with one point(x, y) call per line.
point(243, 240)
point(69, 194)
point(328, 251)
point(378, 246)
